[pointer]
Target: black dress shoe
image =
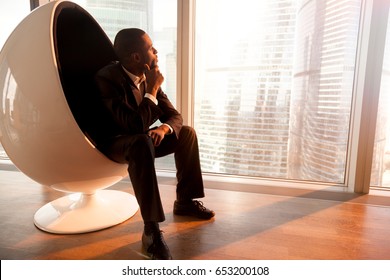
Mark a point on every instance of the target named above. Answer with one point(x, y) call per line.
point(193, 208)
point(155, 246)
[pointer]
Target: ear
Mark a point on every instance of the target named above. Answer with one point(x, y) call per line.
point(136, 57)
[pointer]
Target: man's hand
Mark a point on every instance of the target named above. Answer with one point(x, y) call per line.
point(158, 134)
point(154, 79)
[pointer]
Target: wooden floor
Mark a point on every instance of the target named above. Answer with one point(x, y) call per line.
point(271, 225)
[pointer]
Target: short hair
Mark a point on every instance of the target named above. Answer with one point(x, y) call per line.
point(127, 41)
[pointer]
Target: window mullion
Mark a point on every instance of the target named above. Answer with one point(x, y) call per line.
point(367, 88)
point(185, 58)
point(36, 3)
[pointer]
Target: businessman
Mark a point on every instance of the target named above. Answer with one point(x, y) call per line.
point(131, 92)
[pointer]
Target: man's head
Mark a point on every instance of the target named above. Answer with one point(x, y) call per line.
point(134, 49)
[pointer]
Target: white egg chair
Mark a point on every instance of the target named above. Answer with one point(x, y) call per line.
point(50, 118)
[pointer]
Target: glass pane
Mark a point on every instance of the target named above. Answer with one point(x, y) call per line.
point(159, 19)
point(273, 86)
point(380, 173)
point(11, 13)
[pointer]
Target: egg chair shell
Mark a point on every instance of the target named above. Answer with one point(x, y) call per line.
point(50, 119)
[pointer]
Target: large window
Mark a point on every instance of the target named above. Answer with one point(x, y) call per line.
point(274, 85)
point(275, 89)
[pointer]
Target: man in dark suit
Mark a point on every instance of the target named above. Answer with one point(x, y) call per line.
point(131, 93)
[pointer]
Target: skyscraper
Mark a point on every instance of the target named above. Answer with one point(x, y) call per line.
point(322, 89)
point(284, 89)
point(115, 15)
point(248, 134)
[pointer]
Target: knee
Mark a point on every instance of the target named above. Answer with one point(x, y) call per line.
point(187, 135)
point(187, 131)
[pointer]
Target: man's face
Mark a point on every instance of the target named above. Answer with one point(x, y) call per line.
point(148, 53)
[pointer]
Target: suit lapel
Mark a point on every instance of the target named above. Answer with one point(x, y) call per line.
point(130, 88)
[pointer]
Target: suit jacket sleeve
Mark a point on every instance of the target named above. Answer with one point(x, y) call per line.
point(116, 91)
point(170, 115)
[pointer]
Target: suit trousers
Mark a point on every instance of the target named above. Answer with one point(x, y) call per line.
point(140, 153)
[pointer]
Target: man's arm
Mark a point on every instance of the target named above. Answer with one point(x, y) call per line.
point(171, 118)
point(117, 97)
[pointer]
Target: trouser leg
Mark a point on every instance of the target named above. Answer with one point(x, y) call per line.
point(186, 152)
point(138, 151)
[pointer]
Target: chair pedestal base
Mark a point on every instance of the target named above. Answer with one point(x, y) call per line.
point(80, 213)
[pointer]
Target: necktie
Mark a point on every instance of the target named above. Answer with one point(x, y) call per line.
point(139, 93)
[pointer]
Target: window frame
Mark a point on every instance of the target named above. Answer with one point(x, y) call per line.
point(368, 74)
point(185, 59)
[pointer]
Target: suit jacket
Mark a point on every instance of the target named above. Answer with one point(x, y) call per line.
point(116, 90)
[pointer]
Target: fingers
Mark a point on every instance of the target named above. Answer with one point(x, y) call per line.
point(152, 67)
point(156, 136)
point(156, 139)
point(154, 79)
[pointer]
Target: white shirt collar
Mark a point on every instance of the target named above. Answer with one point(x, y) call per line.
point(136, 80)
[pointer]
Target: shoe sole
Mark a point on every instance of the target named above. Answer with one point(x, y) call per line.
point(192, 215)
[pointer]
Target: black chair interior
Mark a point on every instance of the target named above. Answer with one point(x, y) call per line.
point(82, 48)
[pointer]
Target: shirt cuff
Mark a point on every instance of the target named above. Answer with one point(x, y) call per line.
point(151, 97)
point(170, 128)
